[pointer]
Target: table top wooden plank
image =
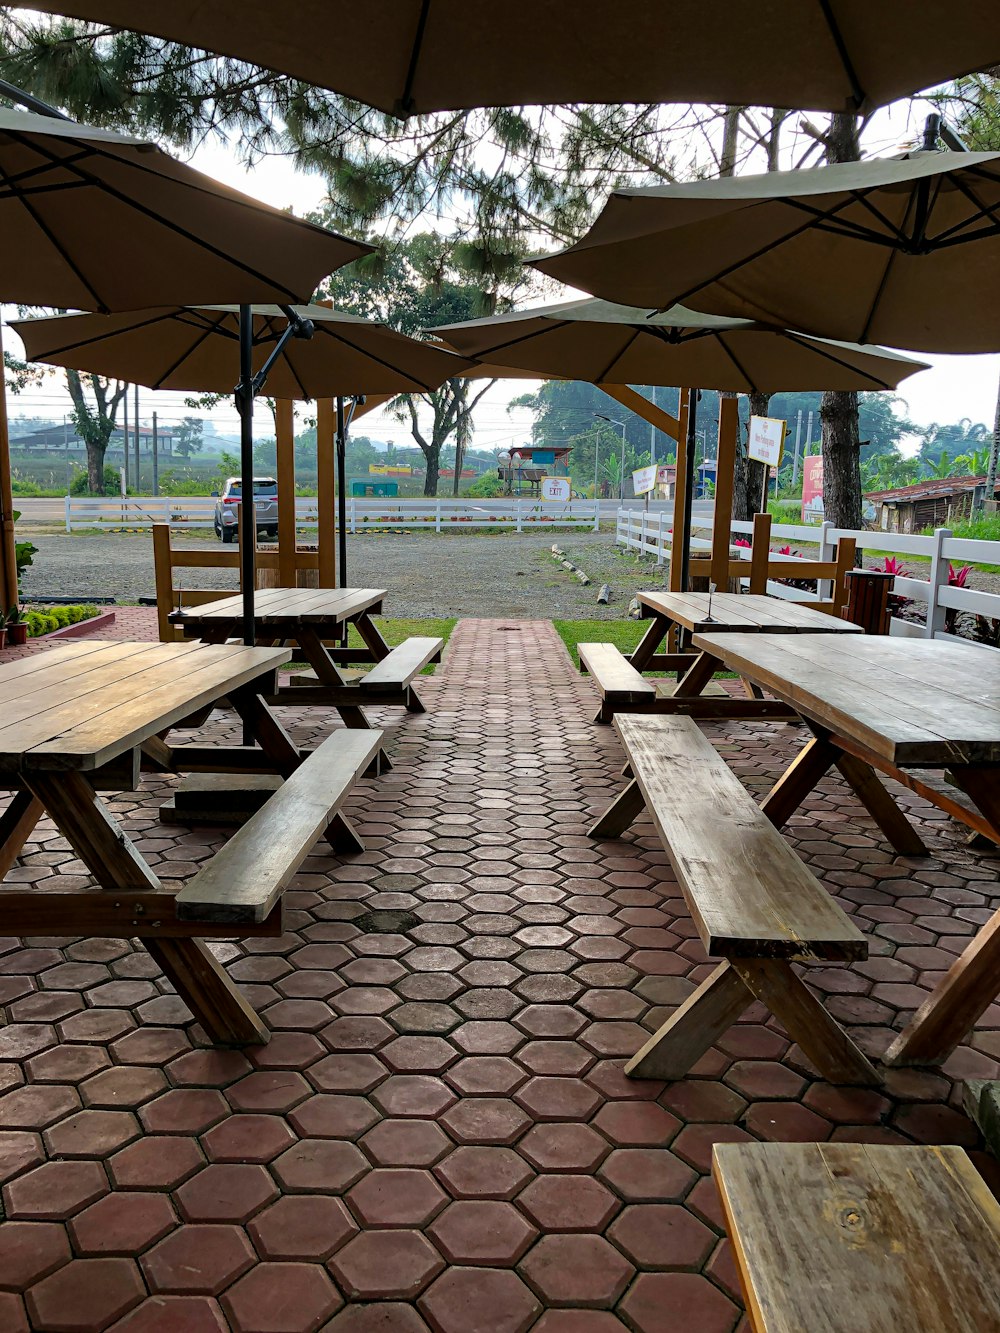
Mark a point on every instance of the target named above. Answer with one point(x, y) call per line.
point(891, 696)
point(838, 1237)
point(62, 662)
point(743, 613)
point(286, 605)
point(90, 725)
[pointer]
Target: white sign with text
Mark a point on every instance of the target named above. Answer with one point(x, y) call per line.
point(555, 488)
point(764, 441)
point(644, 479)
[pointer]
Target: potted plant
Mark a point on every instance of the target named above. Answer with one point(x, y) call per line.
point(3, 630)
point(17, 627)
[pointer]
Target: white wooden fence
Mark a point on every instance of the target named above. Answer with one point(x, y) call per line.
point(650, 534)
point(110, 513)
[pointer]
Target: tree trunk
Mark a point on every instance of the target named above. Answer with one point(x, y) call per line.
point(841, 459)
point(433, 457)
point(95, 466)
point(748, 480)
point(461, 443)
point(839, 410)
point(991, 474)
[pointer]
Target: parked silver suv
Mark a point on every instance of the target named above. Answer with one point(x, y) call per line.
point(265, 503)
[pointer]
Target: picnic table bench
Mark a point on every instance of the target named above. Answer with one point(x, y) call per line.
point(754, 902)
point(75, 720)
point(854, 1238)
point(619, 677)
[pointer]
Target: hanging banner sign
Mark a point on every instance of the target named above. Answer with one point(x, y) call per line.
point(765, 440)
point(644, 479)
point(812, 487)
point(555, 488)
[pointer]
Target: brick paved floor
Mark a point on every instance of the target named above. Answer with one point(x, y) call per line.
point(439, 1134)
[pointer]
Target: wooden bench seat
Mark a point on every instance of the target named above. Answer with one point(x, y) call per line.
point(243, 882)
point(620, 684)
point(396, 672)
point(754, 902)
point(853, 1238)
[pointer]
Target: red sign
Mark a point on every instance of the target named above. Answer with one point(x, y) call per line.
point(812, 486)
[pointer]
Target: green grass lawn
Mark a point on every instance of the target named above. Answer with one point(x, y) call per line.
point(395, 631)
point(624, 634)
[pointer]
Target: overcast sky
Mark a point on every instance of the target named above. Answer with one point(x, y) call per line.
point(954, 387)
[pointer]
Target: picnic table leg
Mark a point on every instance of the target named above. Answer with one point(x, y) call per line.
point(111, 857)
point(272, 737)
point(619, 814)
point(17, 823)
point(697, 676)
point(327, 673)
point(869, 790)
point(372, 636)
point(815, 758)
point(950, 1011)
point(642, 655)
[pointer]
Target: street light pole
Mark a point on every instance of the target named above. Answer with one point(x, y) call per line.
point(612, 422)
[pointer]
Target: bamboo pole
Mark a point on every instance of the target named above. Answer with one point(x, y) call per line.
point(326, 492)
point(284, 423)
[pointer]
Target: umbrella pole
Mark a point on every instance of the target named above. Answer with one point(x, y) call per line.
point(692, 439)
point(244, 405)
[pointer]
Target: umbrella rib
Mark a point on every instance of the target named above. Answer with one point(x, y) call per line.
point(487, 353)
point(189, 351)
point(737, 363)
point(985, 211)
point(54, 241)
point(827, 221)
point(833, 27)
point(405, 103)
point(621, 351)
point(101, 336)
point(149, 213)
point(837, 360)
point(387, 365)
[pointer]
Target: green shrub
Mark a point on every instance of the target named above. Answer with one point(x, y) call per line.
point(57, 617)
point(486, 487)
point(112, 482)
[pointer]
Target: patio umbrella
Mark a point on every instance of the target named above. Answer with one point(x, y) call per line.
point(904, 251)
point(600, 342)
point(329, 355)
point(413, 56)
point(98, 221)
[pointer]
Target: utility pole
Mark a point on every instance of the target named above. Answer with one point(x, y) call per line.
point(795, 457)
point(809, 436)
point(156, 475)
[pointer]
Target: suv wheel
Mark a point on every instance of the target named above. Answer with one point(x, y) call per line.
point(227, 535)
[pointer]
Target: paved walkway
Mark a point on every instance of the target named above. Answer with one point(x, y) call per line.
point(439, 1135)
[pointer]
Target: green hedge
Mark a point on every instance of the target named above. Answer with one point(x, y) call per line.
point(45, 621)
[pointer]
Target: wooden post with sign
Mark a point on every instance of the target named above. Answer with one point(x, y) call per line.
point(680, 487)
point(729, 424)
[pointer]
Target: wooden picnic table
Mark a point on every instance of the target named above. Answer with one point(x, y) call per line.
point(73, 721)
point(315, 619)
point(925, 712)
point(687, 613)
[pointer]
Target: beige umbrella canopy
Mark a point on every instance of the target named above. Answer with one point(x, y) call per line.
point(98, 221)
point(616, 344)
point(904, 251)
point(194, 348)
point(412, 56)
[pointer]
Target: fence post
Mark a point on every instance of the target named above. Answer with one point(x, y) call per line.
point(642, 533)
point(69, 520)
point(597, 516)
point(659, 539)
point(353, 515)
point(936, 613)
point(437, 515)
point(517, 511)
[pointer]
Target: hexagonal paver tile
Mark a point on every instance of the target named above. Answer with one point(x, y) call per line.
point(347, 1072)
point(56, 1190)
point(636, 1124)
point(568, 1203)
point(577, 1271)
point(406, 1143)
point(91, 1134)
point(381, 1265)
point(563, 1147)
point(485, 1120)
point(184, 1111)
point(225, 1192)
point(486, 1076)
point(122, 1223)
point(155, 1162)
point(276, 1090)
point(302, 1226)
point(661, 1235)
point(479, 1298)
point(642, 1175)
point(320, 1165)
point(198, 1260)
point(476, 1172)
point(482, 1231)
point(412, 1094)
point(29, 1251)
point(687, 1300)
point(168, 1314)
point(397, 1198)
point(281, 1298)
point(86, 1294)
point(329, 1115)
point(558, 1099)
point(247, 1138)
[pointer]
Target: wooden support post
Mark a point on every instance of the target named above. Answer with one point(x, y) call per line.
point(680, 487)
point(17, 823)
point(284, 423)
point(642, 407)
point(326, 487)
point(620, 813)
point(163, 573)
point(8, 557)
point(760, 551)
point(729, 425)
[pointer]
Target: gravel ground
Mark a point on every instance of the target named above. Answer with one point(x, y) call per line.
point(426, 574)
